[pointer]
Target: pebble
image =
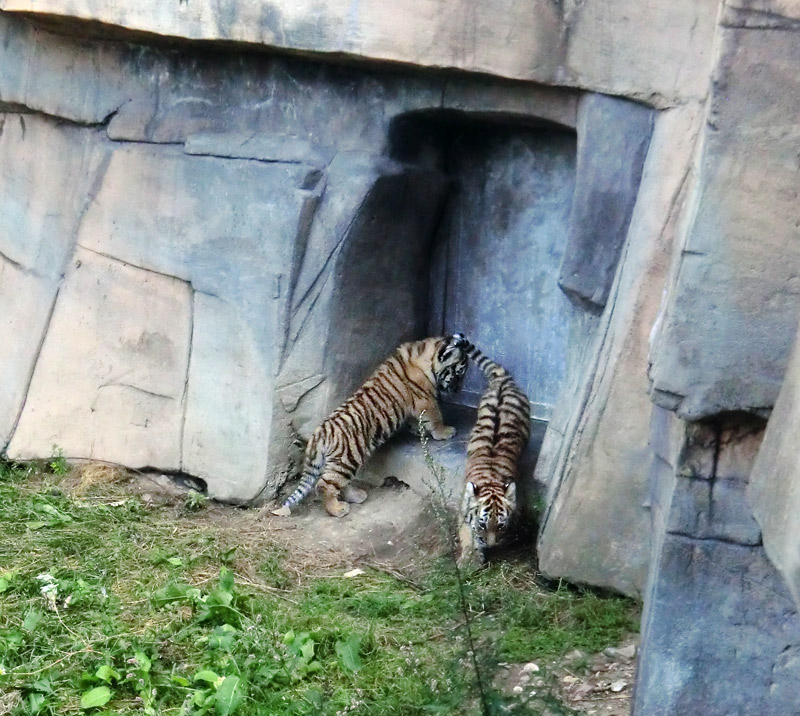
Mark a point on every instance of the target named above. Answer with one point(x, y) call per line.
point(530, 667)
point(518, 689)
point(618, 685)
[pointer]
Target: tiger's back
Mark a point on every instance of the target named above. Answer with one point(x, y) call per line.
point(496, 444)
point(404, 386)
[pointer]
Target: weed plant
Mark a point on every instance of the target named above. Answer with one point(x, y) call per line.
point(108, 606)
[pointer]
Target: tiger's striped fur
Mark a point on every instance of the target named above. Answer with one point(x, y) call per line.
point(404, 386)
point(500, 434)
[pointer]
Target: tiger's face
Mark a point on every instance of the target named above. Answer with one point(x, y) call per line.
point(489, 516)
point(450, 364)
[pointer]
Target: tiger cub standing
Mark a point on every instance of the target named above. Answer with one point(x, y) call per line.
point(404, 386)
point(500, 434)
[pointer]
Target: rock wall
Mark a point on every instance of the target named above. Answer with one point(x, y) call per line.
point(198, 234)
point(614, 47)
point(710, 575)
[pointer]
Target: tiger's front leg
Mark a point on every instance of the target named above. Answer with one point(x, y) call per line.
point(433, 422)
point(469, 555)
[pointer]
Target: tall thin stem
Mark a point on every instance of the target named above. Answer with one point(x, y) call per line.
point(451, 529)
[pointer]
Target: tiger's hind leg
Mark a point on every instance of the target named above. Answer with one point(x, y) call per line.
point(333, 484)
point(354, 495)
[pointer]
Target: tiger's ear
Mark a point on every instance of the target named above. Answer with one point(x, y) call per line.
point(445, 351)
point(511, 493)
point(455, 342)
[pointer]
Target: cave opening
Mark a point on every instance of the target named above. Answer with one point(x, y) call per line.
point(494, 255)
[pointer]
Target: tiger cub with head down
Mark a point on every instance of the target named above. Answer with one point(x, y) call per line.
point(495, 445)
point(405, 386)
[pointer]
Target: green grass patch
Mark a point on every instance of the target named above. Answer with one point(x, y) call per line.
point(108, 606)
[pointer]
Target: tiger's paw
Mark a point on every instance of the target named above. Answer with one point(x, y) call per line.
point(337, 508)
point(445, 433)
point(354, 495)
point(470, 561)
point(282, 512)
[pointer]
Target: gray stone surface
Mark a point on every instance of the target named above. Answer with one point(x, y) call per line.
point(40, 209)
point(508, 208)
point(48, 73)
point(599, 45)
point(721, 634)
point(774, 489)
point(711, 576)
point(595, 455)
point(614, 137)
point(109, 383)
point(228, 402)
point(26, 301)
point(732, 307)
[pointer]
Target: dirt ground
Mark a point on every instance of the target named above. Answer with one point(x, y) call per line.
point(592, 684)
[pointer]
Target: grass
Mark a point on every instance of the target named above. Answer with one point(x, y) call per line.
point(110, 606)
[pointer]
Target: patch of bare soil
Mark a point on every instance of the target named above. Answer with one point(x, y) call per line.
point(391, 530)
point(592, 684)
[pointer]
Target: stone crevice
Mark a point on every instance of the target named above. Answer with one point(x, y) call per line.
point(17, 265)
point(21, 108)
point(140, 267)
point(185, 394)
point(738, 18)
point(32, 369)
point(118, 384)
point(718, 540)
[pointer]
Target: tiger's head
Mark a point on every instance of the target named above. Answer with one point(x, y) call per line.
point(489, 514)
point(450, 364)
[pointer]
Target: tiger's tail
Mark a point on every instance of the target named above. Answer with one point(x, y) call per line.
point(489, 368)
point(312, 469)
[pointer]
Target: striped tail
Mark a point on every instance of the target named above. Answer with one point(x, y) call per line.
point(489, 368)
point(311, 473)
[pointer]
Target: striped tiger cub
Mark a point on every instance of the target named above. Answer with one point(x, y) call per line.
point(404, 386)
point(500, 434)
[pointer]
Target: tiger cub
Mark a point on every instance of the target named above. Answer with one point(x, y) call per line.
point(500, 434)
point(404, 386)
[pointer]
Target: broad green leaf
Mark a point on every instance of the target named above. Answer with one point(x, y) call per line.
point(314, 697)
point(5, 581)
point(307, 649)
point(172, 593)
point(32, 619)
point(142, 661)
point(35, 525)
point(98, 696)
point(107, 673)
point(179, 680)
point(35, 702)
point(313, 667)
point(229, 695)
point(347, 651)
point(175, 561)
point(226, 579)
point(222, 637)
point(207, 675)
